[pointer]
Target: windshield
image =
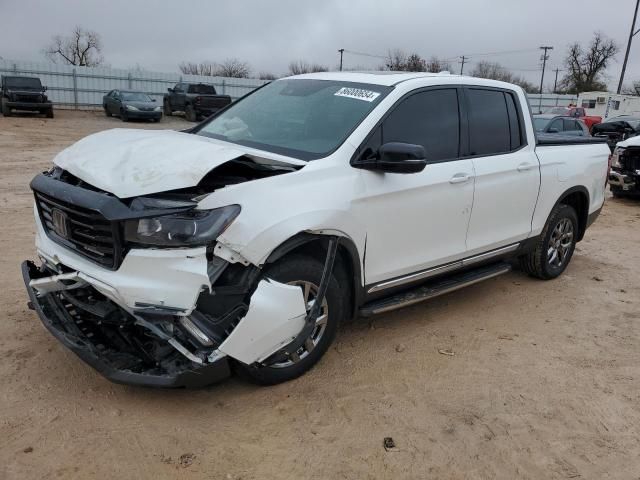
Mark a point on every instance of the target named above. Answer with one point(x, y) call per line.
point(202, 89)
point(559, 111)
point(136, 97)
point(23, 82)
point(540, 123)
point(305, 119)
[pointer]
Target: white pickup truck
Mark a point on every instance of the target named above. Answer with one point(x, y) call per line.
point(166, 258)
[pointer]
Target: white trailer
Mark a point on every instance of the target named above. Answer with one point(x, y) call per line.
point(605, 104)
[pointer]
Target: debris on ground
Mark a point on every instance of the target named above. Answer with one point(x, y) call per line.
point(389, 444)
point(400, 348)
point(28, 450)
point(186, 460)
point(446, 352)
point(597, 279)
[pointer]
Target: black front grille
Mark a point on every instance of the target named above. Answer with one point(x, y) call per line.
point(81, 229)
point(631, 159)
point(28, 98)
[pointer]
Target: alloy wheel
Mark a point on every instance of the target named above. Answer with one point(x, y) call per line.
point(560, 243)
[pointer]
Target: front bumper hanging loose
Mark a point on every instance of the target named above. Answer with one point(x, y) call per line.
point(57, 320)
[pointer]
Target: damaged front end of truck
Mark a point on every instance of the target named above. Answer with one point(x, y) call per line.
point(140, 289)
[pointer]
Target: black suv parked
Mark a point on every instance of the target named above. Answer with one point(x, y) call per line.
point(196, 100)
point(24, 93)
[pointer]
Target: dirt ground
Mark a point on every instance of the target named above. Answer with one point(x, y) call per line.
point(543, 383)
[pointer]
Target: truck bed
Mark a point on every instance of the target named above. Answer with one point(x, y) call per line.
point(546, 139)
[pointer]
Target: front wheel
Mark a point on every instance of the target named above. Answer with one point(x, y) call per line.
point(190, 113)
point(124, 116)
point(167, 109)
point(106, 111)
point(6, 111)
point(555, 247)
point(285, 365)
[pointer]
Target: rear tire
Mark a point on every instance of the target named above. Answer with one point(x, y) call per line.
point(556, 245)
point(281, 367)
point(6, 111)
point(190, 113)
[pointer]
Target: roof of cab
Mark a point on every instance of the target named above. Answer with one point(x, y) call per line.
point(388, 78)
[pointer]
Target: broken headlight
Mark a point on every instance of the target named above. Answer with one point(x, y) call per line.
point(187, 229)
point(615, 157)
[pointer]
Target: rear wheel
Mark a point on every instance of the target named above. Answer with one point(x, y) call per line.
point(6, 111)
point(190, 113)
point(555, 247)
point(284, 365)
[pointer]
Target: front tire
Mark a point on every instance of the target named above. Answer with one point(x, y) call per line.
point(106, 111)
point(167, 109)
point(190, 113)
point(124, 116)
point(556, 245)
point(284, 366)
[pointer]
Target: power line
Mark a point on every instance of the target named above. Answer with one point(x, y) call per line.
point(545, 57)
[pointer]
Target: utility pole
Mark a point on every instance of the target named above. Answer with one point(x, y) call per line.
point(555, 82)
point(545, 57)
point(342, 52)
point(626, 55)
point(463, 58)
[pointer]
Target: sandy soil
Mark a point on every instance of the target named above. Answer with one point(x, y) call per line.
point(543, 383)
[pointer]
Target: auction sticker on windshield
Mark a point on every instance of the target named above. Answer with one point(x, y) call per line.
point(357, 93)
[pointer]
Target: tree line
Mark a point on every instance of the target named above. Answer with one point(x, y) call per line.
point(584, 69)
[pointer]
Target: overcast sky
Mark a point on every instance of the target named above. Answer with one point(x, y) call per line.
point(158, 35)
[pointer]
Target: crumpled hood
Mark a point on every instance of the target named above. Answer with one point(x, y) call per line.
point(131, 162)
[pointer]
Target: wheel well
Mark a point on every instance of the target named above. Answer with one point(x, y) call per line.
point(579, 200)
point(346, 266)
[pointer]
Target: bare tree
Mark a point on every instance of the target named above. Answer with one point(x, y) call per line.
point(633, 89)
point(231, 67)
point(396, 60)
point(495, 71)
point(415, 63)
point(586, 67)
point(267, 76)
point(435, 65)
point(299, 67)
point(82, 48)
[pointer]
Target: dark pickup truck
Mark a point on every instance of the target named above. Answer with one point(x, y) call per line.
point(24, 93)
point(196, 100)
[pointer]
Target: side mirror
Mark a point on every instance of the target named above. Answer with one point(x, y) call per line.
point(553, 130)
point(170, 90)
point(396, 157)
point(153, 99)
point(44, 89)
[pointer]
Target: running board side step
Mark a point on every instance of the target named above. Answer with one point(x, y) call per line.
point(434, 288)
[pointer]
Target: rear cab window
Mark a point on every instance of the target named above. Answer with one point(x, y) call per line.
point(495, 121)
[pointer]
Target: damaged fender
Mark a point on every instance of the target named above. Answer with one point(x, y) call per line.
point(276, 315)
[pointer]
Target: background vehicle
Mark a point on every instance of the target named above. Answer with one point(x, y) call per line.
point(196, 100)
point(129, 105)
point(617, 129)
point(576, 112)
point(241, 243)
point(24, 93)
point(555, 124)
point(624, 177)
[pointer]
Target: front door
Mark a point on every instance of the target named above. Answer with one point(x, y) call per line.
point(416, 221)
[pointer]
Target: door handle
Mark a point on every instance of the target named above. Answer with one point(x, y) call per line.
point(460, 178)
point(524, 167)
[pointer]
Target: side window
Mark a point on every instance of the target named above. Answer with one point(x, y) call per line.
point(571, 125)
point(178, 87)
point(515, 127)
point(556, 125)
point(429, 118)
point(488, 122)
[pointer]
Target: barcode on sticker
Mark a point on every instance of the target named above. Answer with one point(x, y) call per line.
point(357, 93)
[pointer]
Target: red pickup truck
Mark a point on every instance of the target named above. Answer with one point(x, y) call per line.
point(577, 112)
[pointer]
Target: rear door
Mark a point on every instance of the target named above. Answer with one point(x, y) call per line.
point(507, 170)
